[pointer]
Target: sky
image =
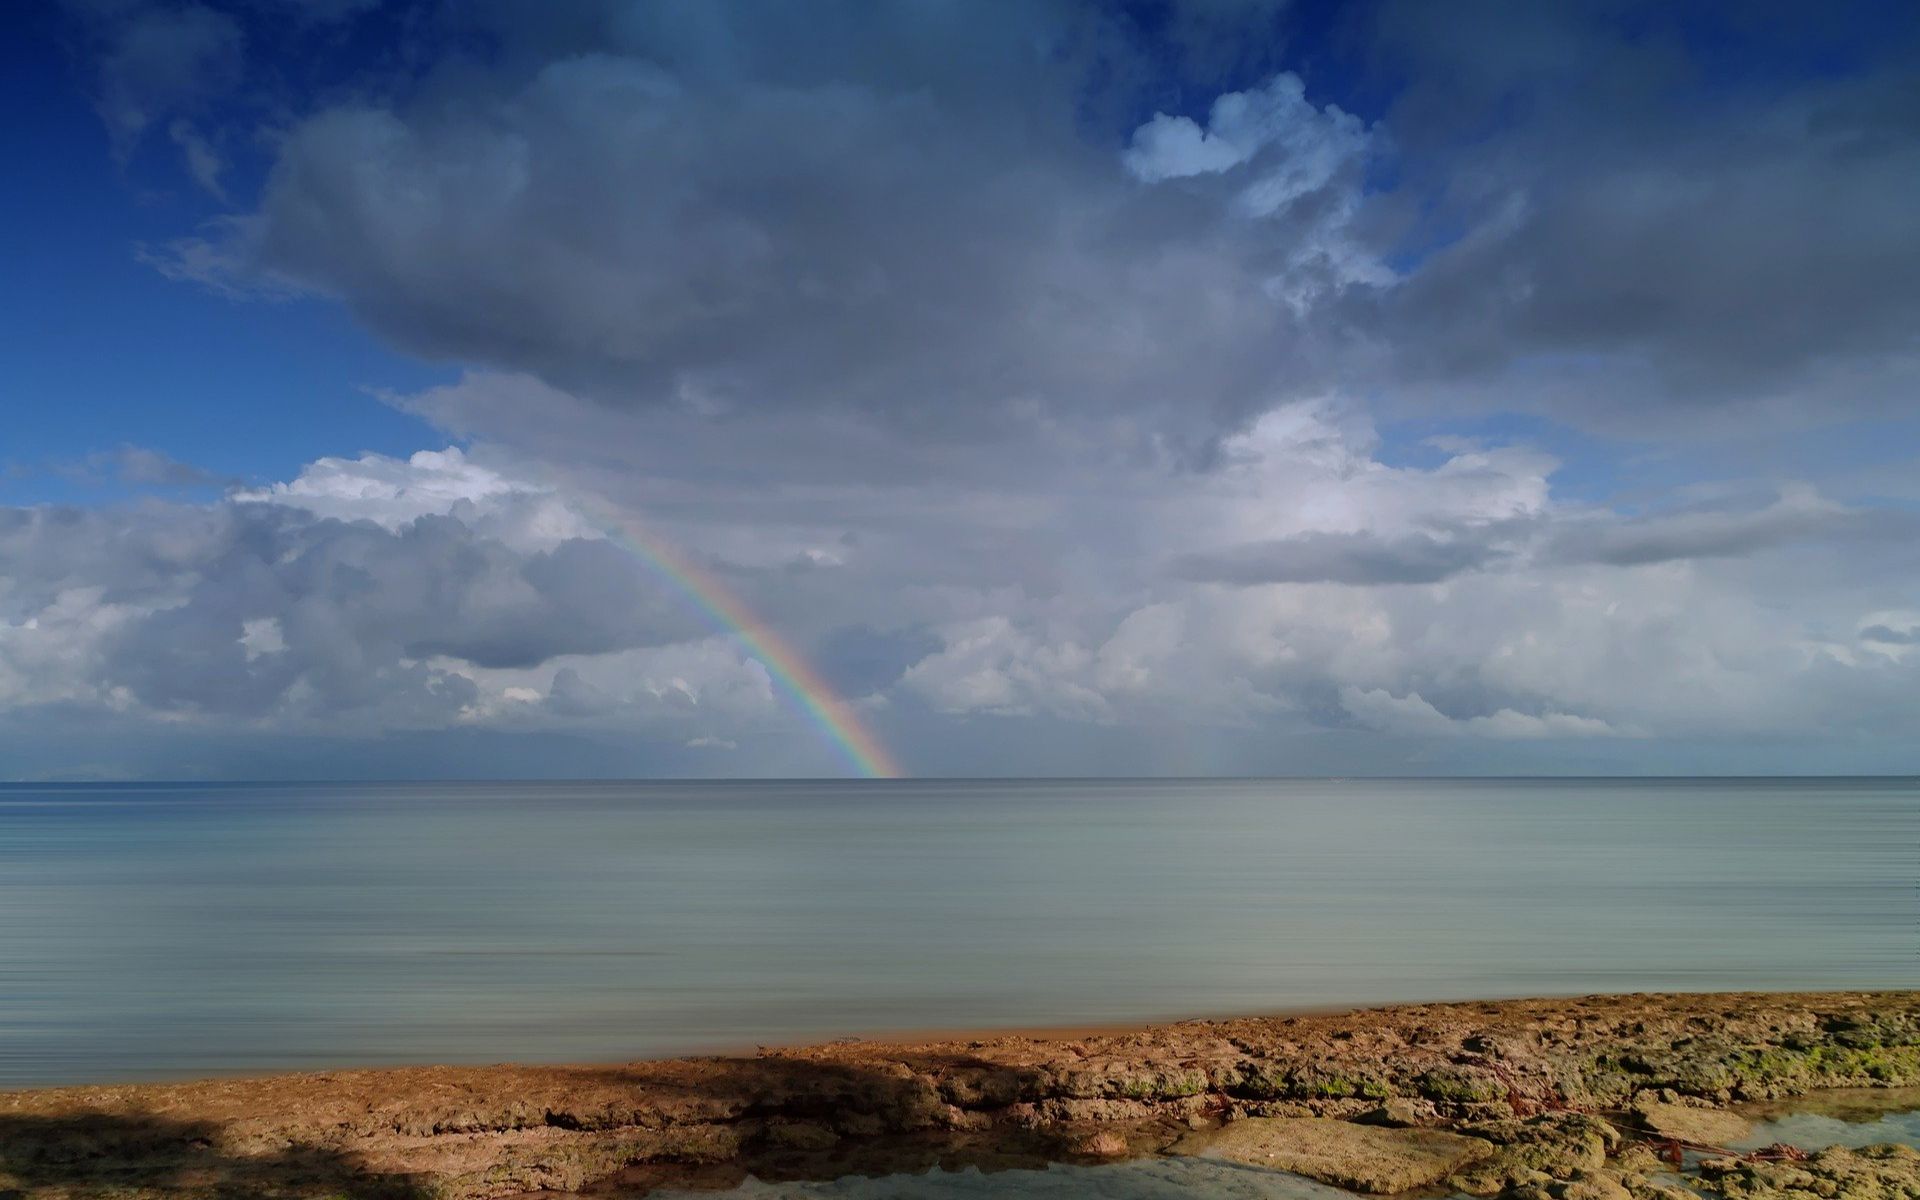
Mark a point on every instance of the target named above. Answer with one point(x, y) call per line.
point(742, 388)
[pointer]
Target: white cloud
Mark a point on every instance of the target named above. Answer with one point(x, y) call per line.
point(989, 666)
point(447, 590)
point(888, 320)
point(393, 493)
point(388, 491)
point(262, 635)
point(1299, 149)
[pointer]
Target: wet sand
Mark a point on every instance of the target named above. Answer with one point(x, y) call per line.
point(486, 1132)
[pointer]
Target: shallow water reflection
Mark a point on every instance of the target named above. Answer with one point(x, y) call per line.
point(1142, 1179)
point(1852, 1119)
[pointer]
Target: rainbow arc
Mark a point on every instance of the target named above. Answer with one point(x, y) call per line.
point(838, 722)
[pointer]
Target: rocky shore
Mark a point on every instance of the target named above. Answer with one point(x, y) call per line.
point(1579, 1099)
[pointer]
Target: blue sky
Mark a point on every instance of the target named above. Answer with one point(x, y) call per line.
point(1177, 387)
point(104, 349)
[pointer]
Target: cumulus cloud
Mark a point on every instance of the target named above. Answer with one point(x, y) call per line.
point(990, 666)
point(915, 216)
point(1069, 370)
point(443, 591)
point(817, 229)
point(1294, 149)
point(365, 589)
point(394, 493)
point(1637, 250)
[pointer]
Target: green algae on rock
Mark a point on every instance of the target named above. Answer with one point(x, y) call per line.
point(1504, 1073)
point(1869, 1173)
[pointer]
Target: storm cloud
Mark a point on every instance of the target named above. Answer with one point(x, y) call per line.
point(1456, 381)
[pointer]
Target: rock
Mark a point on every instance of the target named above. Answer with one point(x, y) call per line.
point(1105, 1144)
point(1659, 1191)
point(797, 1135)
point(1397, 1113)
point(1597, 1185)
point(1558, 1145)
point(1689, 1123)
point(1872, 1173)
point(480, 1133)
point(1363, 1158)
point(1603, 1185)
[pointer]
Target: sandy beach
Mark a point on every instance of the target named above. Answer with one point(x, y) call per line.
point(1495, 1096)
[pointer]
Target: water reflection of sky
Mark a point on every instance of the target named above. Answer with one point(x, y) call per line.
point(151, 932)
point(1817, 1131)
point(1853, 1120)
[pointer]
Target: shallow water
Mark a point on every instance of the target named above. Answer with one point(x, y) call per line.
point(1852, 1119)
point(1144, 1179)
point(169, 931)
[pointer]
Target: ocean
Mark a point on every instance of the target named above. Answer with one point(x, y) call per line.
point(175, 930)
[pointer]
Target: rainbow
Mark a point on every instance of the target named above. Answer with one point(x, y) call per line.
point(844, 730)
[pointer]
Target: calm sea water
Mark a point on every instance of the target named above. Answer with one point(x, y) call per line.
point(167, 930)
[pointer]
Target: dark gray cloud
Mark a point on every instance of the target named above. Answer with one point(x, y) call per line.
point(944, 224)
point(1353, 558)
point(859, 661)
point(1798, 517)
point(1655, 215)
point(902, 213)
point(1886, 635)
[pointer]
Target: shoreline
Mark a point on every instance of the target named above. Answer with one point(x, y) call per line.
point(487, 1132)
point(902, 1037)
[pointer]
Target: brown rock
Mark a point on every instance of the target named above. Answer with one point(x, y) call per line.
point(1105, 1144)
point(1398, 1113)
point(1559, 1146)
point(798, 1135)
point(1689, 1123)
point(484, 1133)
point(1361, 1157)
point(1597, 1185)
point(1872, 1173)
